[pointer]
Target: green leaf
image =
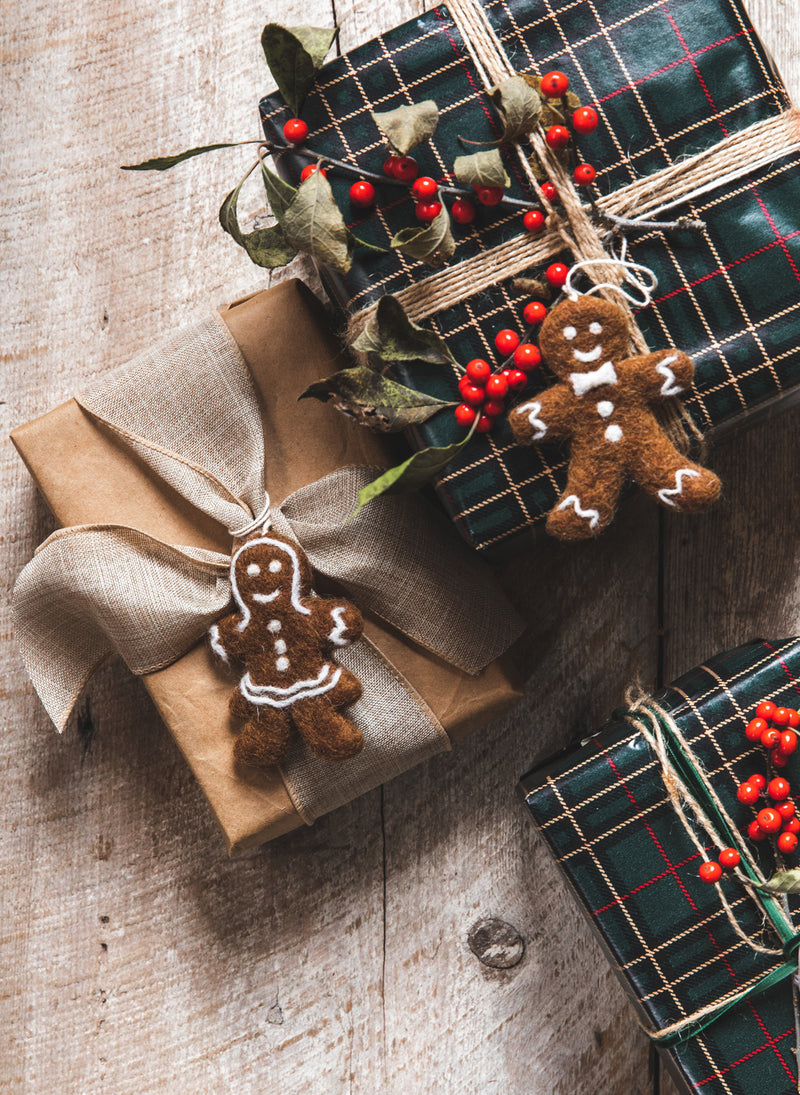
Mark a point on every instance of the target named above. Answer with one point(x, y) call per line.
point(481, 169)
point(781, 882)
point(408, 126)
point(433, 244)
point(391, 336)
point(164, 163)
point(411, 474)
point(374, 400)
point(294, 55)
point(519, 104)
point(312, 222)
point(266, 246)
point(279, 193)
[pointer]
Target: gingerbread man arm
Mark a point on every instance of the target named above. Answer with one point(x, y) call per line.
point(657, 375)
point(338, 622)
point(548, 415)
point(225, 638)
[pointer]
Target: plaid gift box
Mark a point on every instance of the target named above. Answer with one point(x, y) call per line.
point(669, 78)
point(614, 831)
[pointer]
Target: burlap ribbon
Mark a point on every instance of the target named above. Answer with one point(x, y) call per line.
point(189, 411)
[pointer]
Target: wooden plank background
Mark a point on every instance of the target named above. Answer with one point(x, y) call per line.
point(135, 956)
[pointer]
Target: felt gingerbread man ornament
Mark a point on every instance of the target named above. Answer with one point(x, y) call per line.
point(286, 638)
point(602, 403)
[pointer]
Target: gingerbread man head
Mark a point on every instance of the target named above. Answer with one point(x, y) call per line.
point(581, 335)
point(267, 570)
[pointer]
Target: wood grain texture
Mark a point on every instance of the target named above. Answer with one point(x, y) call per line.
point(136, 958)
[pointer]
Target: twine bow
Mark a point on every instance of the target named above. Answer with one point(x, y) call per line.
point(189, 412)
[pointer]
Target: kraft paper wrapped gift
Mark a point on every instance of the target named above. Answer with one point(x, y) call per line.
point(605, 812)
point(670, 81)
point(176, 446)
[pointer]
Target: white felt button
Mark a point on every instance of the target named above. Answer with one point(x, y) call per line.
point(280, 646)
point(605, 408)
point(274, 626)
point(282, 664)
point(613, 433)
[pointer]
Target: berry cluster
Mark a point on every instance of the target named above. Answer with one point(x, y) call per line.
point(774, 728)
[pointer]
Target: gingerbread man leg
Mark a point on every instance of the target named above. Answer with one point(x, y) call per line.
point(326, 732)
point(587, 503)
point(264, 738)
point(671, 479)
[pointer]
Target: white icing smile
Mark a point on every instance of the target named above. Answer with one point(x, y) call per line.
point(265, 598)
point(591, 355)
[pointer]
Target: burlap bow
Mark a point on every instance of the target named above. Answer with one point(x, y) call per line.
point(189, 411)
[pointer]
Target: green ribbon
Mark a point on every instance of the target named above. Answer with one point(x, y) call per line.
point(685, 768)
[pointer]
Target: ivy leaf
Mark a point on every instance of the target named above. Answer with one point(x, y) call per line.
point(408, 126)
point(164, 163)
point(781, 882)
point(279, 193)
point(519, 104)
point(411, 474)
point(294, 54)
point(481, 169)
point(375, 400)
point(433, 244)
point(312, 222)
point(266, 247)
point(391, 336)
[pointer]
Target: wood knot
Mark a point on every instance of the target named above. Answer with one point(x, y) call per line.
point(496, 944)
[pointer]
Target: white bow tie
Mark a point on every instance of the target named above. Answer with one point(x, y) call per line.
point(584, 382)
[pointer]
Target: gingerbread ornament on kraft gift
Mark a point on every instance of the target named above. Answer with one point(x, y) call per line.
point(285, 638)
point(603, 403)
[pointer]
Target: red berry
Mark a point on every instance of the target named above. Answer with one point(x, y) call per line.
point(766, 709)
point(781, 716)
point(362, 194)
point(755, 832)
point(710, 871)
point(295, 130)
point(389, 166)
point(584, 174)
point(770, 738)
point(463, 211)
point(472, 394)
point(309, 170)
point(747, 793)
point(527, 356)
point(769, 820)
point(465, 415)
point(484, 424)
point(489, 195)
point(534, 312)
point(493, 407)
point(557, 136)
point(479, 370)
point(792, 825)
point(497, 387)
point(534, 220)
point(549, 192)
point(778, 789)
point(428, 211)
point(554, 85)
point(786, 808)
point(506, 341)
point(729, 857)
point(556, 274)
point(425, 188)
point(405, 168)
point(788, 742)
point(584, 120)
point(516, 379)
point(757, 781)
point(755, 728)
point(794, 718)
point(787, 843)
point(779, 759)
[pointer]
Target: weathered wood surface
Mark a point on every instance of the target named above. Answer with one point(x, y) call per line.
point(135, 957)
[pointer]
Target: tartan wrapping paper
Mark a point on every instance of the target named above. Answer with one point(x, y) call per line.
point(669, 78)
point(604, 812)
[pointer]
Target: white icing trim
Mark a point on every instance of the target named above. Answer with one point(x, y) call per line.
point(264, 597)
point(670, 385)
point(666, 494)
point(265, 695)
point(216, 644)
point(536, 409)
point(574, 501)
point(335, 636)
point(584, 382)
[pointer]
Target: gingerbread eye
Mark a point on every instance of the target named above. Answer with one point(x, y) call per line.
point(595, 328)
point(253, 570)
point(569, 333)
point(275, 566)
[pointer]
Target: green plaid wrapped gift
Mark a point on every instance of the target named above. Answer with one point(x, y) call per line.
point(669, 79)
point(605, 812)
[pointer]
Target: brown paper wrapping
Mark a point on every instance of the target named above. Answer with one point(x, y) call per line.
point(86, 479)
